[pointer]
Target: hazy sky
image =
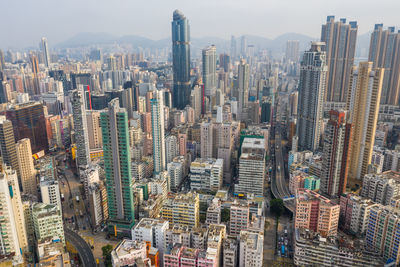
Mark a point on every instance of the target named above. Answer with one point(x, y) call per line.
point(24, 22)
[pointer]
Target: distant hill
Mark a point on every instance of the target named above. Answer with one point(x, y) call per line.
point(87, 39)
point(277, 45)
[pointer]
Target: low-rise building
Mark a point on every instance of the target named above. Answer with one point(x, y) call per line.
point(251, 249)
point(316, 213)
point(206, 174)
point(239, 218)
point(182, 209)
point(311, 249)
point(128, 252)
point(47, 222)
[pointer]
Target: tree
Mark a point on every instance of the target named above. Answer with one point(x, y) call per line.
point(277, 207)
point(107, 255)
point(225, 215)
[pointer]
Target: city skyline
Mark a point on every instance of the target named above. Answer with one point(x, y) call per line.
point(154, 25)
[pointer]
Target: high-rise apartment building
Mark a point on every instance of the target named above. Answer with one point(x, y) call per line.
point(157, 122)
point(171, 148)
point(7, 144)
point(313, 71)
point(80, 127)
point(335, 154)
point(117, 165)
point(340, 39)
point(45, 52)
point(26, 168)
point(94, 129)
point(243, 86)
point(209, 57)
point(363, 102)
point(180, 60)
point(206, 143)
point(384, 51)
point(28, 121)
point(292, 50)
point(316, 213)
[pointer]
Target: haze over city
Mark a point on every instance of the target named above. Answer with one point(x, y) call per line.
point(24, 22)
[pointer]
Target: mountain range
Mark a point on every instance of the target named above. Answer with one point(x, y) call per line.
point(275, 45)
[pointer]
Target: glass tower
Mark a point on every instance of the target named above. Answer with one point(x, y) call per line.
point(180, 60)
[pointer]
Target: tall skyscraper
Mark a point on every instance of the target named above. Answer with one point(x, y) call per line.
point(312, 85)
point(7, 144)
point(363, 105)
point(117, 165)
point(157, 121)
point(180, 60)
point(292, 50)
point(243, 86)
point(209, 56)
point(340, 39)
point(80, 126)
point(384, 51)
point(335, 154)
point(28, 121)
point(45, 52)
point(26, 167)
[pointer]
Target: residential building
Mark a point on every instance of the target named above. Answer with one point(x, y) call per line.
point(129, 253)
point(363, 105)
point(230, 251)
point(157, 121)
point(209, 70)
point(313, 72)
point(251, 249)
point(382, 232)
point(354, 213)
point(80, 126)
point(115, 134)
point(311, 249)
point(381, 188)
point(340, 39)
point(316, 213)
point(153, 231)
point(48, 222)
point(384, 51)
point(335, 154)
point(182, 209)
point(206, 174)
point(26, 168)
point(239, 217)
